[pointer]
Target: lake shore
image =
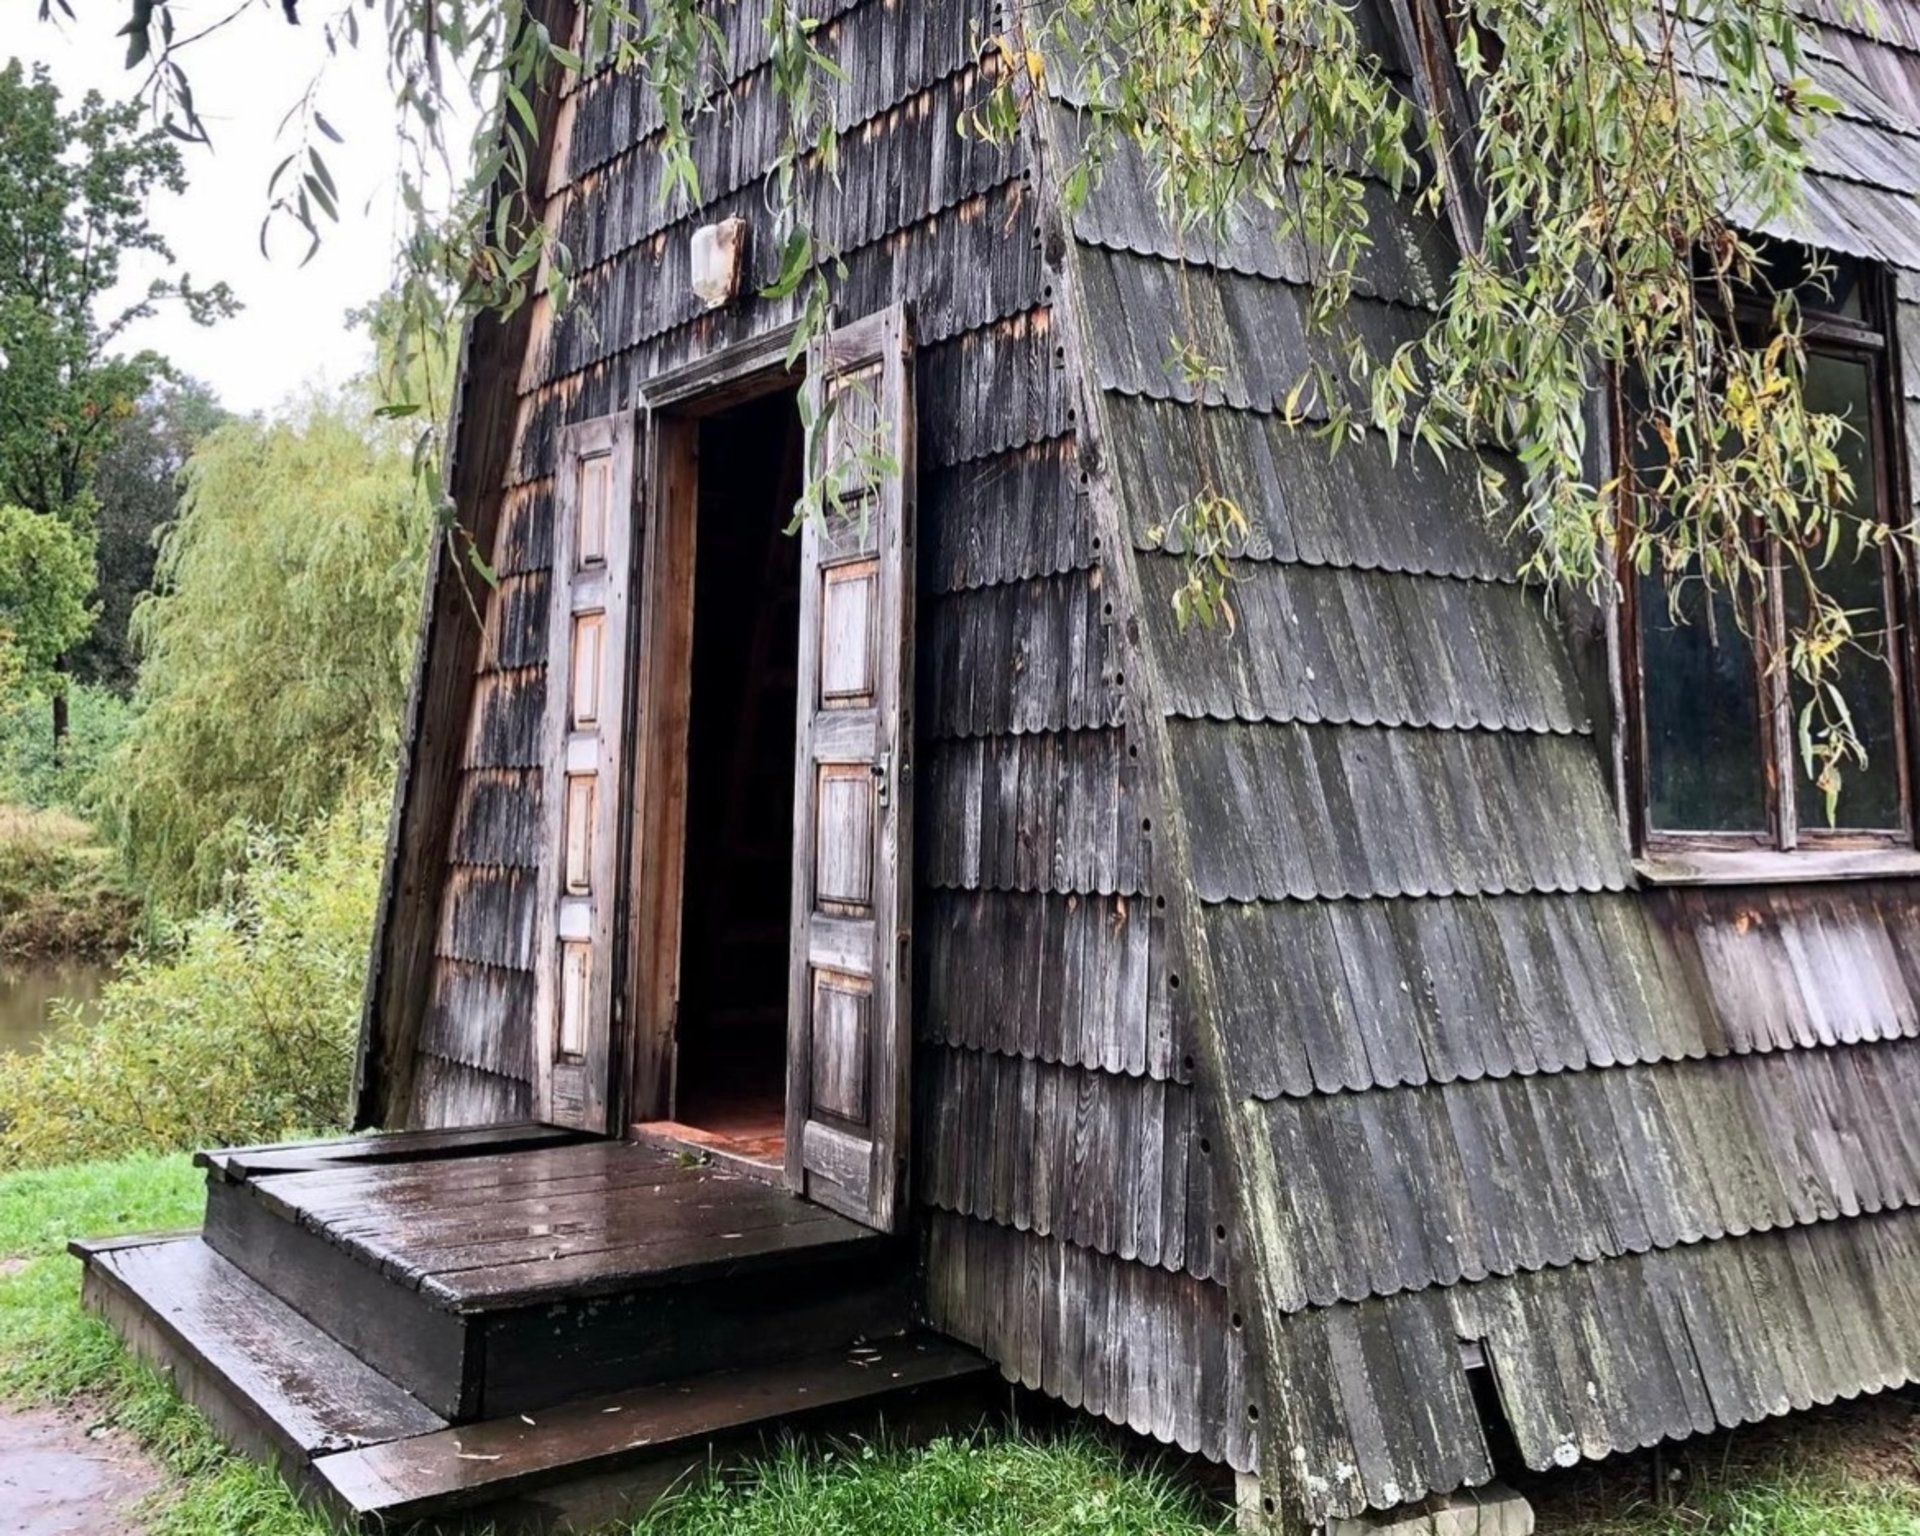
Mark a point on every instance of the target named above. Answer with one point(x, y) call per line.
point(62, 894)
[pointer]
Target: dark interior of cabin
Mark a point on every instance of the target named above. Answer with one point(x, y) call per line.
point(730, 1076)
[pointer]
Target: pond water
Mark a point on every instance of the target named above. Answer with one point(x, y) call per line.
point(29, 989)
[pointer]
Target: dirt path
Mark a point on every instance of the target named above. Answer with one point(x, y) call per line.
point(57, 1479)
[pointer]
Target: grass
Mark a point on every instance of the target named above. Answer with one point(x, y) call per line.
point(61, 891)
point(1850, 1471)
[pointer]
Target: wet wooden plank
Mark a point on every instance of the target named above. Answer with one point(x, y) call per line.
point(480, 1463)
point(547, 1222)
point(392, 1147)
point(179, 1299)
point(412, 1343)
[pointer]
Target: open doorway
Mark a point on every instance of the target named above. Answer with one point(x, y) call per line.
point(729, 1069)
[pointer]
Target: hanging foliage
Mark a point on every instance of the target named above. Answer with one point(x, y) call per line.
point(1605, 163)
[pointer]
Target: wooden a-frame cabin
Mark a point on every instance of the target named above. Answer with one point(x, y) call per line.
point(811, 966)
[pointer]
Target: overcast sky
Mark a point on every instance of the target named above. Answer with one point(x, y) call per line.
point(244, 78)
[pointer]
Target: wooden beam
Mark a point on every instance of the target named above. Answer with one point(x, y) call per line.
point(480, 438)
point(1441, 94)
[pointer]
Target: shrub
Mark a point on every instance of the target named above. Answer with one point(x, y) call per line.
point(60, 891)
point(31, 774)
point(241, 1028)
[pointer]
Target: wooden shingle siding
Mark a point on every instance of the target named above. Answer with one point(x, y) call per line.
point(1019, 658)
point(497, 818)
point(507, 710)
point(1140, 1346)
point(1057, 811)
point(1005, 387)
point(1368, 811)
point(1368, 648)
point(487, 916)
point(1098, 1159)
point(1003, 518)
point(1673, 1343)
point(1075, 980)
point(1408, 262)
point(525, 545)
point(1331, 996)
point(476, 1018)
point(619, 116)
point(1303, 505)
point(1643, 1159)
point(448, 1094)
point(1254, 331)
point(516, 627)
point(1481, 1086)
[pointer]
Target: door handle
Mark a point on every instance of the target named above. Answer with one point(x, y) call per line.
point(882, 777)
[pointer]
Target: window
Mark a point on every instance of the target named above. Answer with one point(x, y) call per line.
point(1713, 746)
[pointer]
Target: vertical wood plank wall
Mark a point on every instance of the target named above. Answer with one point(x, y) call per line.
point(1068, 1211)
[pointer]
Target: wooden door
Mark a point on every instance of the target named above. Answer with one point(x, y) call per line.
point(593, 540)
point(850, 972)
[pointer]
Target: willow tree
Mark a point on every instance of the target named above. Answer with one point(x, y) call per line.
point(274, 648)
point(1603, 166)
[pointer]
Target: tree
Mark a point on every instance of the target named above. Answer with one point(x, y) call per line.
point(275, 647)
point(46, 572)
point(136, 488)
point(74, 188)
point(73, 206)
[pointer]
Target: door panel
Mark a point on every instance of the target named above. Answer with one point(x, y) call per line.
point(849, 961)
point(594, 514)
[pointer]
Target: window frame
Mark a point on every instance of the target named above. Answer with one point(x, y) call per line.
point(1794, 845)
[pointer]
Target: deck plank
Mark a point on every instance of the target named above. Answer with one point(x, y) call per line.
point(553, 1222)
point(478, 1464)
point(381, 1146)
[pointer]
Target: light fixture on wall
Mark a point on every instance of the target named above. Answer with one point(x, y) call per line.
point(719, 257)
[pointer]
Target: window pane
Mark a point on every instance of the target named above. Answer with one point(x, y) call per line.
point(1870, 796)
point(1700, 694)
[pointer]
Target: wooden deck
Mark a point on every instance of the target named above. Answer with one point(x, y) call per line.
point(562, 1222)
point(513, 1321)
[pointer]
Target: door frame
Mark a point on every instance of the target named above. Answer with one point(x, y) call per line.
point(673, 404)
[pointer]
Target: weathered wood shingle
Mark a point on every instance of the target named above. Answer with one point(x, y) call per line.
point(1651, 1147)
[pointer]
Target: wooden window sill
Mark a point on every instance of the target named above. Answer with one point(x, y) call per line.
point(1763, 866)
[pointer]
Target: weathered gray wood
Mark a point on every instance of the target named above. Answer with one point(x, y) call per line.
point(587, 668)
point(481, 443)
point(849, 1024)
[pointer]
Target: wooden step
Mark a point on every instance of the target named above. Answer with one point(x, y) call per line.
point(267, 1377)
point(609, 1456)
point(277, 1387)
point(495, 1285)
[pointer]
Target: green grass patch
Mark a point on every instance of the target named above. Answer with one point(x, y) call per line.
point(1849, 1470)
point(1001, 1485)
